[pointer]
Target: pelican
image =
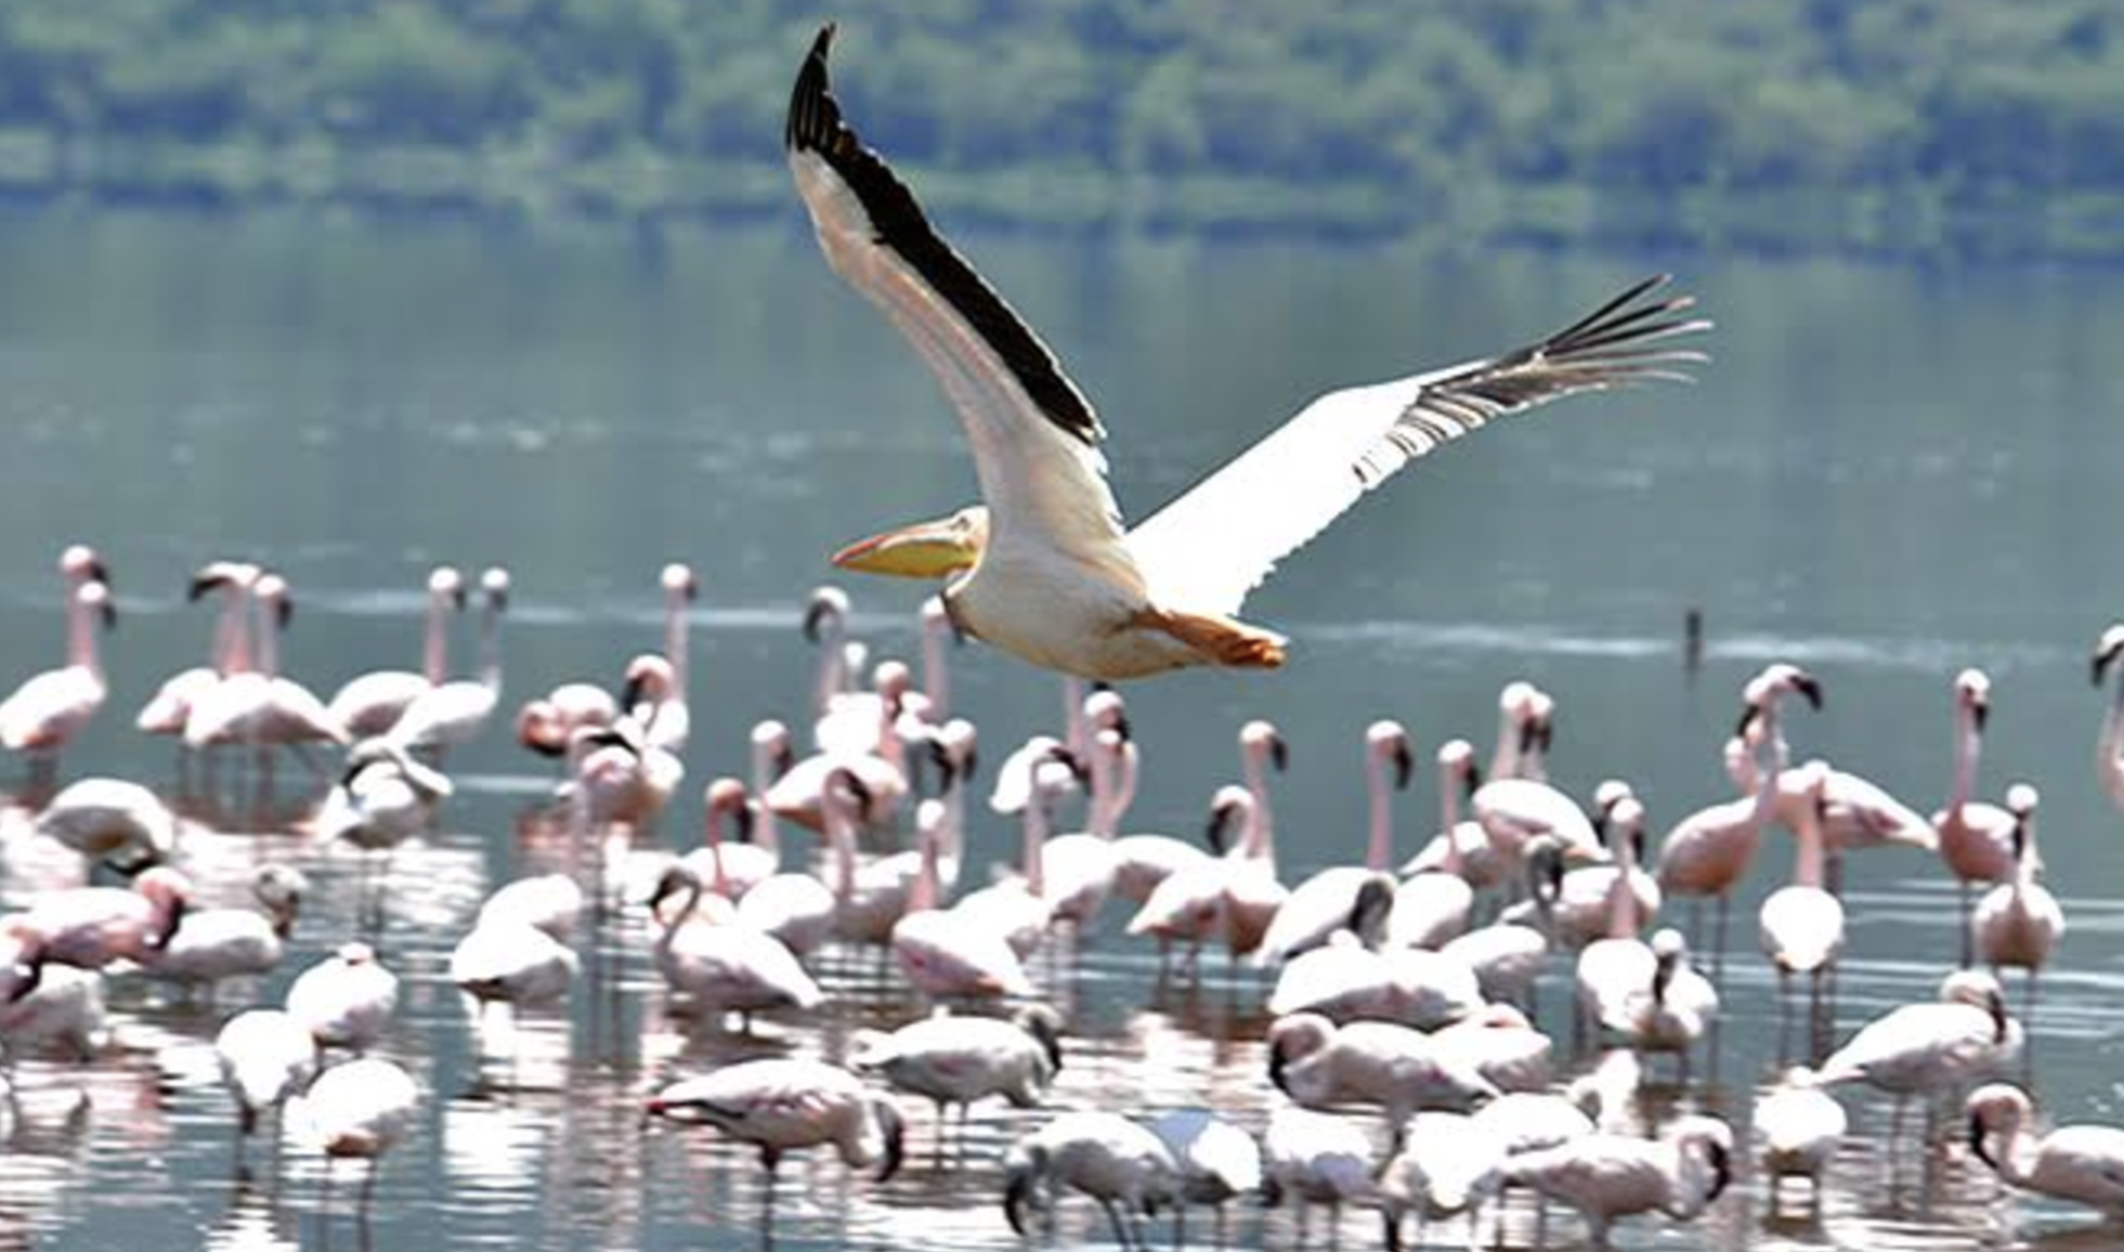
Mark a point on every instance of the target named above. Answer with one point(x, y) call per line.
point(2084, 1164)
point(1043, 568)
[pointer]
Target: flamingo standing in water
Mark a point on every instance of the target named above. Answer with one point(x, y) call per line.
point(1708, 852)
point(454, 712)
point(266, 1057)
point(1802, 924)
point(294, 716)
point(371, 703)
point(171, 706)
point(361, 1109)
point(2084, 1164)
point(45, 713)
point(945, 955)
point(1431, 906)
point(2019, 923)
point(1321, 905)
point(1975, 839)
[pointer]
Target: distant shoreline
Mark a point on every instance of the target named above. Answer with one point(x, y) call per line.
point(36, 171)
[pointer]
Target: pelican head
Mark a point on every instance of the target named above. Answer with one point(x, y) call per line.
point(933, 549)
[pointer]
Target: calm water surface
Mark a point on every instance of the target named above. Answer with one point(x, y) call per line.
point(1885, 475)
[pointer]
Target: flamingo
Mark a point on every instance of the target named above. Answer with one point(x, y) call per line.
point(1708, 852)
point(1043, 569)
point(943, 954)
point(1606, 1176)
point(1947, 1046)
point(1614, 971)
point(669, 720)
point(293, 715)
point(1319, 1064)
point(1144, 859)
point(2109, 746)
point(2084, 1164)
point(371, 703)
point(1802, 924)
point(1018, 908)
point(111, 821)
point(1431, 906)
point(266, 1056)
point(1441, 1167)
point(362, 1109)
point(506, 959)
point(957, 1058)
point(795, 907)
point(454, 712)
point(1500, 1043)
point(1119, 1163)
point(2019, 923)
point(721, 966)
point(1315, 1158)
point(1219, 1162)
point(90, 927)
point(47, 1007)
point(384, 796)
point(729, 869)
point(346, 999)
point(787, 1104)
point(545, 902)
point(1508, 955)
point(1320, 906)
point(45, 713)
point(1798, 1126)
point(170, 707)
point(209, 945)
point(1580, 910)
point(1975, 839)
point(1188, 904)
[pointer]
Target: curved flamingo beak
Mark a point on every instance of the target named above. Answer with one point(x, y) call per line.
point(933, 549)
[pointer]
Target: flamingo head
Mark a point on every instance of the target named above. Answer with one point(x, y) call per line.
point(678, 580)
point(444, 580)
point(2107, 649)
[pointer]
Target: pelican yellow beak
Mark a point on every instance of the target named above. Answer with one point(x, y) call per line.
point(934, 549)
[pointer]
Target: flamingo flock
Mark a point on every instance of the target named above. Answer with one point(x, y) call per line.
point(1403, 1069)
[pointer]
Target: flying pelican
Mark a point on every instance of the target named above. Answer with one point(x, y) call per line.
point(2084, 1164)
point(371, 703)
point(1043, 569)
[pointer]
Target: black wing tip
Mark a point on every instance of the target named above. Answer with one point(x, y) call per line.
point(813, 115)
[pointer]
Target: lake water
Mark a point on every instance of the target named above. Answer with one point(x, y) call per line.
point(1885, 475)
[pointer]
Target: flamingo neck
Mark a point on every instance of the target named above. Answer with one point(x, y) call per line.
point(1807, 858)
point(1623, 921)
point(1968, 745)
point(490, 675)
point(926, 891)
point(1076, 734)
point(1504, 761)
point(1449, 817)
point(833, 667)
point(228, 652)
point(1261, 822)
point(1126, 765)
point(842, 836)
point(1379, 840)
point(675, 641)
point(1762, 772)
point(81, 638)
point(936, 681)
point(765, 831)
point(1098, 812)
point(435, 644)
point(1035, 839)
point(2112, 741)
point(889, 746)
point(268, 641)
point(715, 848)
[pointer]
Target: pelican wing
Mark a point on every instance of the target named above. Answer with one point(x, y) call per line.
point(1206, 550)
point(1033, 435)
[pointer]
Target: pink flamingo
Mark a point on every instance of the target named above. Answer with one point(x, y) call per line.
point(1975, 839)
point(2019, 922)
point(1708, 852)
point(49, 709)
point(455, 712)
point(372, 703)
point(945, 954)
point(1803, 924)
point(171, 706)
point(90, 927)
point(1321, 905)
point(294, 714)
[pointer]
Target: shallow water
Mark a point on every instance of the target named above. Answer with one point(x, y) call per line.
point(1885, 475)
